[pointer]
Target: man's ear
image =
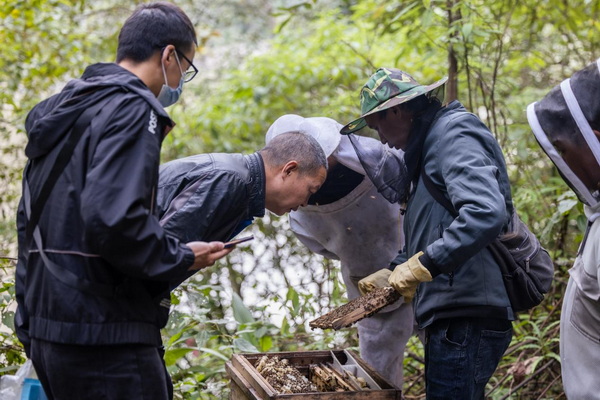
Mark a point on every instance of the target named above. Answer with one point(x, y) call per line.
point(289, 167)
point(597, 133)
point(167, 54)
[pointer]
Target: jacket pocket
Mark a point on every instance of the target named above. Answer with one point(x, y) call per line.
point(585, 315)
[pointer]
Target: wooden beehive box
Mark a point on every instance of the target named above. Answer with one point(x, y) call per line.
point(247, 383)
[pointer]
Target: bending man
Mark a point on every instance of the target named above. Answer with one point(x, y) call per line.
point(347, 219)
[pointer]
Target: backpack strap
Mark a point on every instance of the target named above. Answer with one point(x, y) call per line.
point(34, 209)
point(445, 202)
point(437, 193)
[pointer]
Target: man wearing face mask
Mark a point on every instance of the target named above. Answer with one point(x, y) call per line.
point(95, 266)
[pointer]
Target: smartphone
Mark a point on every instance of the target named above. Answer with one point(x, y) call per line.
point(237, 241)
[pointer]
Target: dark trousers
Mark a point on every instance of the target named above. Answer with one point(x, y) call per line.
point(461, 354)
point(71, 372)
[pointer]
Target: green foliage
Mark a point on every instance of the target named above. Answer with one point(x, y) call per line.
point(45, 41)
point(11, 350)
point(252, 302)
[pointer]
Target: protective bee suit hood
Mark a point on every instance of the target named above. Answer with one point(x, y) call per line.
point(570, 106)
point(382, 162)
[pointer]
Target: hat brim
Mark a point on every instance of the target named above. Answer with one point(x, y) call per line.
point(360, 122)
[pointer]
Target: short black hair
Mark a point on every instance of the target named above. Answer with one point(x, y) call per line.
point(295, 146)
point(153, 26)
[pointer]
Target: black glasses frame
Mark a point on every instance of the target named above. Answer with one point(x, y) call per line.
point(188, 75)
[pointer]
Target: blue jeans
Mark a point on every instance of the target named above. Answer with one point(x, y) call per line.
point(461, 354)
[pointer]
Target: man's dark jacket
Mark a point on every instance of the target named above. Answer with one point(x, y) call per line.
point(464, 160)
point(99, 221)
point(210, 196)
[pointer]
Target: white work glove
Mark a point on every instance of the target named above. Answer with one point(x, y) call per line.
point(407, 276)
point(375, 280)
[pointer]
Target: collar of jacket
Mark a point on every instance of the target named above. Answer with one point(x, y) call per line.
point(50, 120)
point(112, 74)
point(256, 167)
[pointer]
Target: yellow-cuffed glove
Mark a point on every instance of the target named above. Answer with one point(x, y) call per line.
point(406, 277)
point(375, 280)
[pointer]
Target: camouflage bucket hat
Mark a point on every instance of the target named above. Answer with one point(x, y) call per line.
point(386, 88)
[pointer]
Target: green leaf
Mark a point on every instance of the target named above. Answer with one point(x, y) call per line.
point(292, 295)
point(266, 343)
point(244, 346)
point(214, 353)
point(174, 299)
point(8, 319)
point(240, 312)
point(174, 355)
point(260, 332)
point(467, 29)
point(567, 205)
point(285, 327)
point(282, 25)
point(175, 337)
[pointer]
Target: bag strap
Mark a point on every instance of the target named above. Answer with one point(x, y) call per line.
point(34, 210)
point(437, 193)
point(443, 200)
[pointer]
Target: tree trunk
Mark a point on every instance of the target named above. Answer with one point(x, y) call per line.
point(452, 85)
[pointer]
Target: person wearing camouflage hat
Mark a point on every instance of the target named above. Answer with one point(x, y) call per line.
point(387, 88)
point(445, 268)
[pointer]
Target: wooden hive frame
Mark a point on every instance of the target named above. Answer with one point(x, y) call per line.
point(357, 309)
point(248, 384)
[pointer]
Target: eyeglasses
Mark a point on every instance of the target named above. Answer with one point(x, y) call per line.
point(191, 72)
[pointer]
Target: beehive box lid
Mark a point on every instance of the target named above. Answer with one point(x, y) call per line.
point(248, 383)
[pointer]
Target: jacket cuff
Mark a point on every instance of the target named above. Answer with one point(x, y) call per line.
point(188, 256)
point(428, 263)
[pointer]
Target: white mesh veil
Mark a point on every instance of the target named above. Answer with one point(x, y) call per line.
point(576, 101)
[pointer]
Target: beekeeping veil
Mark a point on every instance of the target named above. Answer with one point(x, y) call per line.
point(568, 108)
point(384, 166)
point(383, 163)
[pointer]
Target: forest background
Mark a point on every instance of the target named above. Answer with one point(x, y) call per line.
point(260, 59)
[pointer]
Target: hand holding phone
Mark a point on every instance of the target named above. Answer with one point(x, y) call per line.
point(237, 241)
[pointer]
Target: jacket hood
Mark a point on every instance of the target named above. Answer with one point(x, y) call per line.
point(573, 103)
point(49, 121)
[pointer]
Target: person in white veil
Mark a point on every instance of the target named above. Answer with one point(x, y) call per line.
point(566, 124)
point(350, 220)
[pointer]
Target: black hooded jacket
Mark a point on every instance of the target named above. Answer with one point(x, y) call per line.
point(99, 221)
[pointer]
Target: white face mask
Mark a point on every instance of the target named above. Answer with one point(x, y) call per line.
point(169, 96)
